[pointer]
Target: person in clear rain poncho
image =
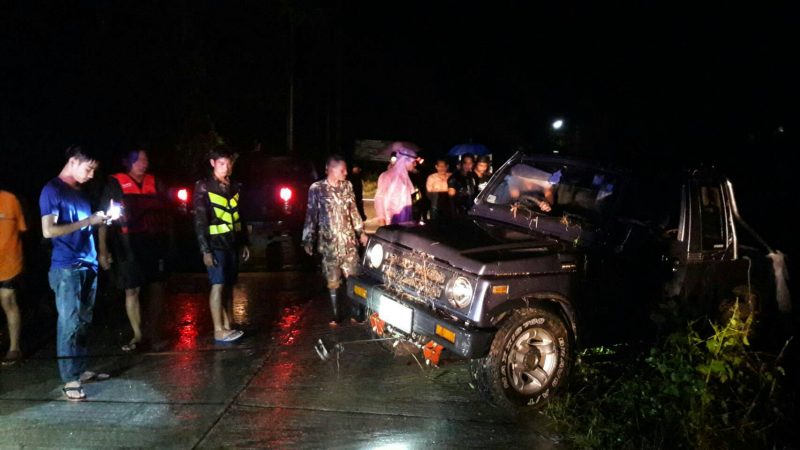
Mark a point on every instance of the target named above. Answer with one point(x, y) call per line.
point(393, 196)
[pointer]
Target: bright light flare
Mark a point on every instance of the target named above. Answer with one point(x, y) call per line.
point(285, 194)
point(114, 210)
point(557, 124)
point(183, 194)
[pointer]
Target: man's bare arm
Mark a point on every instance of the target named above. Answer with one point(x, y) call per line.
point(103, 256)
point(51, 230)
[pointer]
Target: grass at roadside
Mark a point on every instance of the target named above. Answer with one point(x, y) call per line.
point(699, 387)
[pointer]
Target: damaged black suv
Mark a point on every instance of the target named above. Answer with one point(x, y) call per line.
point(558, 252)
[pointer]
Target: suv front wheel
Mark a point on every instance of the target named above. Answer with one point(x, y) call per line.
point(530, 357)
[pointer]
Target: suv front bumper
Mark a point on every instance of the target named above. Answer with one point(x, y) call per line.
point(459, 339)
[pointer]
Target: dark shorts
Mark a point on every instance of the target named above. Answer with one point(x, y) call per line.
point(225, 269)
point(335, 268)
point(144, 264)
point(12, 283)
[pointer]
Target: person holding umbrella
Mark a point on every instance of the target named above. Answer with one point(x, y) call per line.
point(481, 173)
point(461, 186)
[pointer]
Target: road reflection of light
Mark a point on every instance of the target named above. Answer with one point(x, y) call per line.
point(284, 371)
point(187, 314)
point(289, 318)
point(241, 305)
point(392, 446)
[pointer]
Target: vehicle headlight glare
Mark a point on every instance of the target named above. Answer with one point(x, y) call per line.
point(460, 294)
point(375, 255)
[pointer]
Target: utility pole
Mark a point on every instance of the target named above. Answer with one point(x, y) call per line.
point(339, 74)
point(290, 112)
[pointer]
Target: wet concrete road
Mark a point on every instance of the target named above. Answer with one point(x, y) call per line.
point(268, 391)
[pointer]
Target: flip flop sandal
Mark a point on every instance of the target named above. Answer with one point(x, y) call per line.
point(230, 336)
point(89, 376)
point(129, 347)
point(235, 335)
point(74, 394)
point(12, 357)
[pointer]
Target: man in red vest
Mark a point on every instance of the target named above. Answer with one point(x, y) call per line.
point(140, 241)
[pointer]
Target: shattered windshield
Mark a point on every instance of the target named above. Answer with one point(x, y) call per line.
point(553, 189)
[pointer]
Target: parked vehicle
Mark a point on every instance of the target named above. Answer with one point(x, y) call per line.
point(558, 253)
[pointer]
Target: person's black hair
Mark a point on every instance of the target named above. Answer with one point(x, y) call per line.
point(484, 159)
point(468, 155)
point(81, 153)
point(132, 155)
point(222, 151)
point(441, 159)
point(332, 159)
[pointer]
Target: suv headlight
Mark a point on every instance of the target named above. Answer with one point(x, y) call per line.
point(375, 255)
point(459, 293)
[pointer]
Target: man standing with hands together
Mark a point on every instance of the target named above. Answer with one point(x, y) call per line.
point(222, 237)
point(67, 220)
point(335, 226)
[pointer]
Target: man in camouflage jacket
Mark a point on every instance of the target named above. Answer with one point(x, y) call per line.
point(334, 224)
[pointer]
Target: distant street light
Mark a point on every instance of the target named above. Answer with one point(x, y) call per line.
point(557, 124)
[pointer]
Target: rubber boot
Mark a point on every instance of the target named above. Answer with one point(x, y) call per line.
point(334, 304)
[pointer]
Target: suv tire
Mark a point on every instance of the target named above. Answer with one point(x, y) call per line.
point(530, 357)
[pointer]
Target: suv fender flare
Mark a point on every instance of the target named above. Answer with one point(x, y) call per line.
point(552, 300)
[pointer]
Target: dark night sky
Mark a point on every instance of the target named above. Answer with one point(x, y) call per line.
point(638, 76)
point(632, 80)
point(653, 76)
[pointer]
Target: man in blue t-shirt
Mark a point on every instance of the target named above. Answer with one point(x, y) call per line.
point(67, 220)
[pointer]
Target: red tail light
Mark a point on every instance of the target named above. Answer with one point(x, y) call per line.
point(183, 195)
point(286, 194)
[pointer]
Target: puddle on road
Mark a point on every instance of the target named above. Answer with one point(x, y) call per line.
point(242, 305)
point(187, 318)
point(287, 325)
point(259, 305)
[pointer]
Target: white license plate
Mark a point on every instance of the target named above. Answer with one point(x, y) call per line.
point(395, 314)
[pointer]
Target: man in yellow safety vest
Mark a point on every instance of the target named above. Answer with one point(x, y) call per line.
point(222, 237)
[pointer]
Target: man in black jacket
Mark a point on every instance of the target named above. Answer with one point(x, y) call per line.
point(461, 185)
point(222, 237)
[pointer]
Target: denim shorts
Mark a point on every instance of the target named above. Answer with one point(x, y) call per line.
point(225, 269)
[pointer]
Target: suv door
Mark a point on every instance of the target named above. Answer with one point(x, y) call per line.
point(703, 254)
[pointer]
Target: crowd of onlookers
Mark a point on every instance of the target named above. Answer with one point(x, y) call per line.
point(129, 237)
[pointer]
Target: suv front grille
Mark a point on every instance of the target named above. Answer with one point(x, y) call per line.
point(413, 273)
